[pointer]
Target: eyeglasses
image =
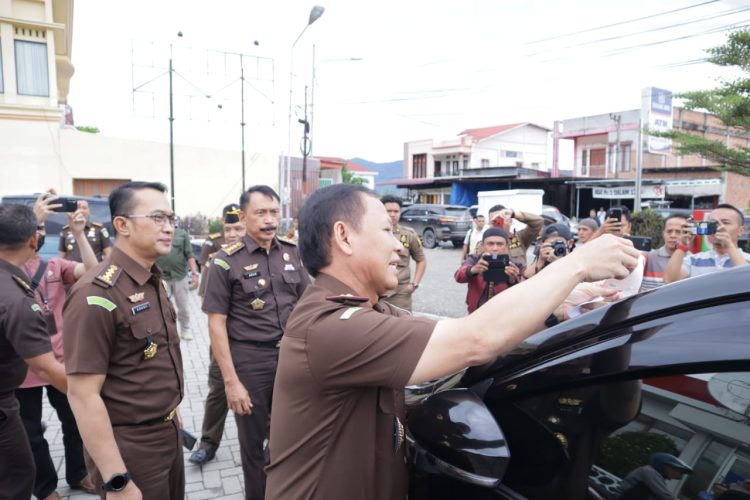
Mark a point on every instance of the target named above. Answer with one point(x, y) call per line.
point(159, 218)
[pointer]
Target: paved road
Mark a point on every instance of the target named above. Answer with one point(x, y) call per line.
point(439, 293)
point(222, 478)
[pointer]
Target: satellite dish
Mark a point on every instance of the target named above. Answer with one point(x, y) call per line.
point(731, 390)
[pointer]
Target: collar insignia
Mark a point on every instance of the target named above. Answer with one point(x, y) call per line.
point(109, 276)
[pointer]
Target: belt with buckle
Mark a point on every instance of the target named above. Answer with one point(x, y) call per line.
point(271, 344)
point(166, 418)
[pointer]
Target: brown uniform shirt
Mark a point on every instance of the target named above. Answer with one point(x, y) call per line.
point(119, 322)
point(23, 333)
point(255, 289)
point(97, 235)
point(213, 244)
point(338, 402)
point(412, 248)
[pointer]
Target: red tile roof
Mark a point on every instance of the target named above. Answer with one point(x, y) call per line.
point(332, 163)
point(482, 133)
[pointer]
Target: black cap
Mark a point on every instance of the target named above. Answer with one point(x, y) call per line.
point(557, 229)
point(495, 231)
point(231, 213)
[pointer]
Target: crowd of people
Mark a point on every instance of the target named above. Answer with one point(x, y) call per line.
point(312, 339)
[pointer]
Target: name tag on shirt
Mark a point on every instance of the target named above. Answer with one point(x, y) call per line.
point(140, 308)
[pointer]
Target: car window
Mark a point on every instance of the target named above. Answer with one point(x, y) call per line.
point(566, 440)
point(458, 212)
point(411, 212)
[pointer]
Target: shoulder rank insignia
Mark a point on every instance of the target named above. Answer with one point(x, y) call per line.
point(234, 248)
point(24, 285)
point(349, 312)
point(286, 240)
point(214, 236)
point(221, 263)
point(110, 275)
point(347, 298)
point(95, 300)
point(136, 297)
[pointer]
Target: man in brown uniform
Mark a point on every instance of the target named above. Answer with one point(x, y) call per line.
point(252, 288)
point(123, 354)
point(232, 227)
point(345, 358)
point(519, 241)
point(411, 246)
point(96, 234)
point(23, 337)
point(216, 400)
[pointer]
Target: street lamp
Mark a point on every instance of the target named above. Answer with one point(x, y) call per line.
point(315, 13)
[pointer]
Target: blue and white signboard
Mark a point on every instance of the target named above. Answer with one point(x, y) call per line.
point(656, 113)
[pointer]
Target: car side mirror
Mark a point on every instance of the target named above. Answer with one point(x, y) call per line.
point(454, 433)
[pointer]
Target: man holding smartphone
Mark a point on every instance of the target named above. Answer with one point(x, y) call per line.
point(724, 254)
point(96, 234)
point(490, 271)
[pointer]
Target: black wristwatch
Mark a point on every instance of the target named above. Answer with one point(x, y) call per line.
point(117, 482)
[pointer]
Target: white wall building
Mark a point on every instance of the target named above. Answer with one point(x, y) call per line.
point(38, 151)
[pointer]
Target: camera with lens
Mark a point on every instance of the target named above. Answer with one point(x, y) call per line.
point(560, 248)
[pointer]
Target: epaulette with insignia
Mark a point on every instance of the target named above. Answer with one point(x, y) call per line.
point(214, 236)
point(286, 240)
point(109, 276)
point(347, 298)
point(24, 285)
point(234, 248)
point(97, 224)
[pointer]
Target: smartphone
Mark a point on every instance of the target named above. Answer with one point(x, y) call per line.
point(614, 213)
point(706, 227)
point(67, 204)
point(188, 440)
point(496, 268)
point(642, 243)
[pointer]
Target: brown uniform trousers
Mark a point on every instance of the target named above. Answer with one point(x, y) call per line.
point(216, 408)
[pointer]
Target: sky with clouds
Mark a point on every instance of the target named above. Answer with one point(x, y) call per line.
point(386, 72)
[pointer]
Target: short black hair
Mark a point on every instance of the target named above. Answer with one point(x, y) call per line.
point(737, 210)
point(496, 208)
point(389, 198)
point(17, 224)
point(675, 216)
point(260, 188)
point(121, 199)
point(338, 202)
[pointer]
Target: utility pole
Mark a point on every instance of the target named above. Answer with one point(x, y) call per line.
point(242, 118)
point(617, 119)
point(305, 146)
point(639, 169)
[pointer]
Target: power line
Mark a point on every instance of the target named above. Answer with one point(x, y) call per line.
point(597, 28)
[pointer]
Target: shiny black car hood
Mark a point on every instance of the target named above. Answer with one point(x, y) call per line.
point(703, 292)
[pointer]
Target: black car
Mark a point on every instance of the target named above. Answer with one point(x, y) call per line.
point(99, 208)
point(435, 223)
point(576, 407)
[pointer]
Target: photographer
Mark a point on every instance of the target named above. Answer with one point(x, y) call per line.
point(519, 242)
point(485, 279)
point(726, 225)
point(555, 243)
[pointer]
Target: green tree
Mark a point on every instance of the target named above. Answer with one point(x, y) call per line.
point(348, 177)
point(730, 102)
point(621, 453)
point(651, 224)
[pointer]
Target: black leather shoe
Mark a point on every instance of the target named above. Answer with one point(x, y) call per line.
point(201, 456)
